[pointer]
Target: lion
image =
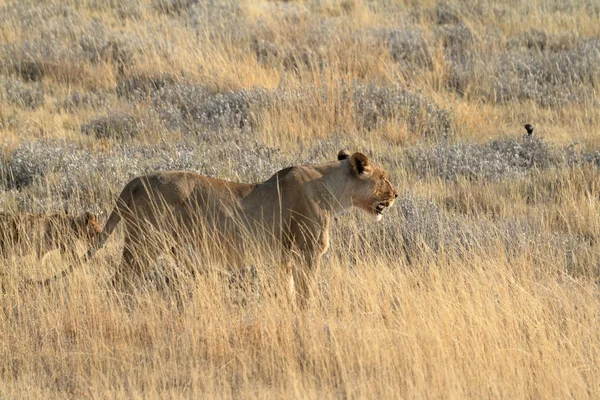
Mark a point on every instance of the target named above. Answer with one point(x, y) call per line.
point(291, 211)
point(25, 232)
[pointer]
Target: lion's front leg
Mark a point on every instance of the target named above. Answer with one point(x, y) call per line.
point(294, 277)
point(308, 241)
point(286, 275)
point(303, 278)
point(306, 266)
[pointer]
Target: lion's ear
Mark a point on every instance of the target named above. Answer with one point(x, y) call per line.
point(89, 218)
point(343, 155)
point(360, 164)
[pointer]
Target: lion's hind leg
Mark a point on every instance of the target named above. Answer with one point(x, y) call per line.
point(127, 274)
point(139, 255)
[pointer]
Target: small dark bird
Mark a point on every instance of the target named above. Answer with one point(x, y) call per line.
point(529, 129)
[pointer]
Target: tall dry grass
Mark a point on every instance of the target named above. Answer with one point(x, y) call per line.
point(481, 282)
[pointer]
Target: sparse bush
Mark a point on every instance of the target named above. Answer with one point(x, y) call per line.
point(421, 225)
point(420, 229)
point(173, 6)
point(464, 63)
point(539, 40)
point(118, 54)
point(491, 161)
point(305, 58)
point(446, 13)
point(25, 95)
point(27, 59)
point(40, 18)
point(78, 100)
point(585, 158)
point(554, 79)
point(122, 8)
point(89, 45)
point(35, 61)
point(195, 108)
point(63, 58)
point(407, 47)
point(457, 40)
point(114, 126)
point(29, 70)
point(290, 57)
point(417, 227)
point(375, 105)
point(142, 86)
point(552, 71)
point(33, 160)
point(266, 51)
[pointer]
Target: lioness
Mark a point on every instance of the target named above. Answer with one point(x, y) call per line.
point(24, 232)
point(292, 210)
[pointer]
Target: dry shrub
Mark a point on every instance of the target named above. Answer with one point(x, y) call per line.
point(116, 126)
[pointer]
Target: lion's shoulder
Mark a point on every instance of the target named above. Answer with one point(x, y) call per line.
point(297, 173)
point(281, 175)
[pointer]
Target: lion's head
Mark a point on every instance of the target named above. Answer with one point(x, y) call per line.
point(371, 189)
point(86, 226)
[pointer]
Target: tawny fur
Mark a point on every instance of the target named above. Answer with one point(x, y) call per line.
point(24, 232)
point(292, 210)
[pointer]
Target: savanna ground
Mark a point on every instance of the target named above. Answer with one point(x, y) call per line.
point(481, 282)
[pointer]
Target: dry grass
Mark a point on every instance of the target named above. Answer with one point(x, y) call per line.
point(482, 282)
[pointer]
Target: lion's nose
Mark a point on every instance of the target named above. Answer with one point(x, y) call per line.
point(395, 195)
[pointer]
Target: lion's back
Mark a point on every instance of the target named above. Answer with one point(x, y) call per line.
point(23, 229)
point(44, 231)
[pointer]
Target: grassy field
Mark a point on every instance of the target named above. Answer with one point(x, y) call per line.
point(481, 282)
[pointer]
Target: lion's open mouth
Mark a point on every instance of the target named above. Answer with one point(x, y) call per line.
point(380, 207)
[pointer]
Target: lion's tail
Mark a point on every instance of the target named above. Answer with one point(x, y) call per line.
point(48, 281)
point(124, 205)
